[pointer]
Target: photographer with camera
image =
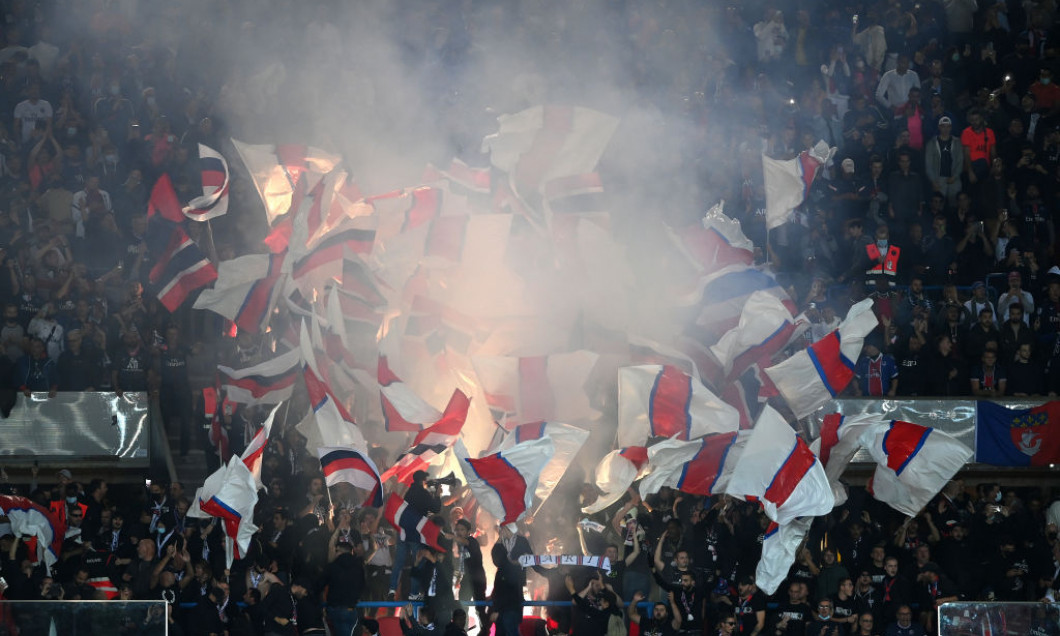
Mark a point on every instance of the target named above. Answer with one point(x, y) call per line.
point(422, 496)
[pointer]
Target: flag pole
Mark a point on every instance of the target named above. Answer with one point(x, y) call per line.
point(212, 246)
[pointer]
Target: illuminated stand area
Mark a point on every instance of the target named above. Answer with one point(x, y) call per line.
point(978, 619)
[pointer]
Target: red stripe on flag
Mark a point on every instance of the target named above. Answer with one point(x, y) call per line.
point(668, 404)
point(902, 442)
point(790, 474)
point(829, 435)
point(506, 480)
point(557, 124)
point(426, 203)
point(702, 471)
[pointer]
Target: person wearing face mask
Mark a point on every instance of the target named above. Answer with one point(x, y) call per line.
point(824, 623)
point(1046, 94)
point(112, 110)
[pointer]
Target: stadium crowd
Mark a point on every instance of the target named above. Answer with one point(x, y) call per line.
point(939, 204)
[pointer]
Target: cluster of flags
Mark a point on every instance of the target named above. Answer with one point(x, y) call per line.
point(489, 308)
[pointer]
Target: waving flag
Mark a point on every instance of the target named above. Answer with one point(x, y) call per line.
point(538, 388)
point(229, 494)
point(213, 410)
point(810, 378)
point(839, 441)
point(765, 328)
point(1017, 437)
point(351, 466)
point(504, 482)
point(214, 199)
point(714, 243)
point(913, 463)
point(403, 410)
point(30, 520)
point(432, 441)
point(663, 401)
point(779, 546)
point(788, 182)
point(779, 470)
point(255, 450)
point(181, 268)
point(269, 382)
point(411, 525)
point(246, 290)
point(700, 467)
point(472, 180)
point(723, 294)
point(282, 174)
point(568, 440)
point(615, 473)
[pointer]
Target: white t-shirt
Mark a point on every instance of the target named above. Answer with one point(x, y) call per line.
point(30, 113)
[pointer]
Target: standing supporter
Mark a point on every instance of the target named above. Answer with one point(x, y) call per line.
point(877, 375)
point(893, 89)
point(664, 620)
point(749, 607)
point(944, 161)
point(980, 147)
point(689, 599)
point(903, 624)
point(1014, 333)
point(792, 617)
point(470, 574)
point(426, 503)
point(895, 590)
point(845, 607)
point(131, 370)
point(175, 395)
point(507, 608)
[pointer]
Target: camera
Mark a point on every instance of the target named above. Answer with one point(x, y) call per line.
point(448, 480)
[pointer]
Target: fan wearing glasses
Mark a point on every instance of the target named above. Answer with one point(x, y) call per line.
point(726, 625)
point(824, 623)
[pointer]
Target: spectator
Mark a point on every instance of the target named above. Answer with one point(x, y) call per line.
point(30, 112)
point(831, 573)
point(792, 617)
point(1014, 333)
point(1024, 374)
point(508, 584)
point(988, 378)
point(941, 252)
point(903, 624)
point(980, 300)
point(824, 623)
point(426, 503)
point(893, 89)
point(845, 610)
point(980, 147)
point(1015, 294)
point(36, 371)
point(905, 192)
point(944, 161)
point(877, 375)
point(866, 625)
point(750, 607)
point(982, 335)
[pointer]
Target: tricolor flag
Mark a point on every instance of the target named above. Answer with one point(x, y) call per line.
point(544, 143)
point(766, 326)
point(837, 444)
point(700, 467)
point(246, 290)
point(811, 377)
point(723, 294)
point(716, 242)
point(913, 463)
point(181, 268)
point(229, 494)
point(475, 180)
point(788, 182)
point(213, 410)
point(282, 174)
point(778, 469)
point(432, 441)
point(214, 199)
point(411, 525)
point(403, 410)
point(30, 520)
point(255, 450)
point(351, 466)
point(568, 441)
point(269, 382)
point(663, 401)
point(615, 473)
point(504, 482)
point(779, 547)
point(1017, 436)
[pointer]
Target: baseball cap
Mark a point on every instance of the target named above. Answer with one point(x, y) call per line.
point(848, 165)
point(945, 120)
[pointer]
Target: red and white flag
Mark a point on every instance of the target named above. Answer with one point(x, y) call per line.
point(568, 441)
point(817, 374)
point(663, 401)
point(837, 444)
point(432, 441)
point(246, 290)
point(281, 171)
point(538, 388)
point(269, 382)
point(788, 182)
point(716, 242)
point(766, 326)
point(699, 467)
point(255, 450)
point(913, 463)
point(28, 519)
point(354, 467)
point(615, 473)
point(778, 469)
point(214, 200)
point(403, 410)
point(780, 544)
point(229, 494)
point(504, 482)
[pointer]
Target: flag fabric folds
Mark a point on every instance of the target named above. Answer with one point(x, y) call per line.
point(411, 525)
point(788, 182)
point(913, 463)
point(351, 466)
point(1017, 437)
point(568, 440)
point(779, 546)
point(716, 242)
point(403, 410)
point(663, 401)
point(30, 520)
point(815, 375)
point(765, 328)
point(615, 473)
point(229, 494)
point(180, 270)
point(538, 388)
point(255, 450)
point(214, 200)
point(700, 467)
point(268, 382)
point(281, 171)
point(432, 441)
point(778, 469)
point(246, 290)
point(504, 482)
point(839, 441)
